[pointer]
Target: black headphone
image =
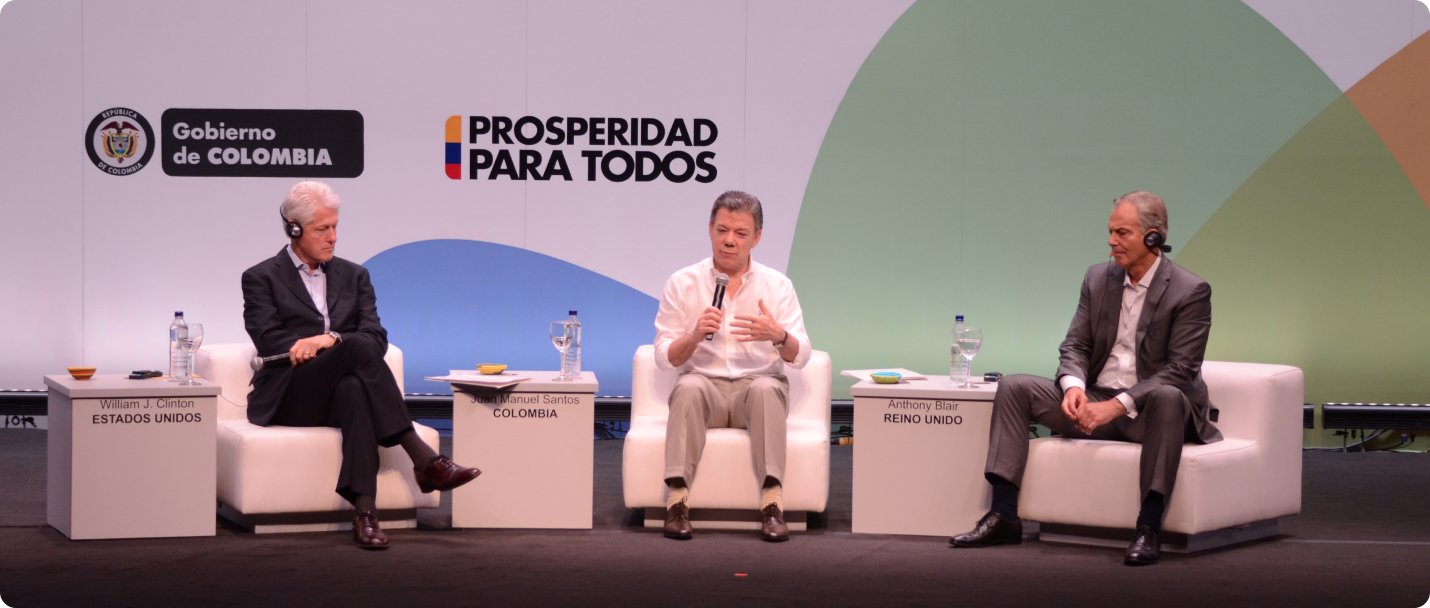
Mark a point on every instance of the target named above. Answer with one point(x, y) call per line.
point(1154, 239)
point(291, 228)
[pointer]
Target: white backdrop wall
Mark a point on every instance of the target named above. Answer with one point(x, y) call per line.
point(969, 145)
point(93, 264)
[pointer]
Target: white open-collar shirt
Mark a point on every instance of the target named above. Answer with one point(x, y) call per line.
point(316, 280)
point(1120, 371)
point(691, 290)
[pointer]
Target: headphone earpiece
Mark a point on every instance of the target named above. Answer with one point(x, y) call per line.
point(1154, 239)
point(291, 228)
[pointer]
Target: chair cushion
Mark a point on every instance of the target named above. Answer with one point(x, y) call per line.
point(280, 469)
point(1253, 474)
point(725, 477)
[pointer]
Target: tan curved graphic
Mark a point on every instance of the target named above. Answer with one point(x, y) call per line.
point(1395, 100)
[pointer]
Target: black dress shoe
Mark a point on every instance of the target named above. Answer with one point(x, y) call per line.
point(772, 524)
point(443, 474)
point(366, 531)
point(992, 529)
point(1145, 548)
point(677, 521)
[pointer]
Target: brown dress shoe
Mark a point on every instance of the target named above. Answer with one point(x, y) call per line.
point(772, 524)
point(677, 521)
point(366, 531)
point(993, 529)
point(442, 474)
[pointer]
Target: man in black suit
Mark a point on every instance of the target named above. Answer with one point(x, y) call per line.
point(322, 311)
point(1129, 370)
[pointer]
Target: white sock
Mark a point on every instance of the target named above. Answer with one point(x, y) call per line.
point(675, 495)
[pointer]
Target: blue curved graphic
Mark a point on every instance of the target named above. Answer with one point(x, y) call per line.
point(451, 304)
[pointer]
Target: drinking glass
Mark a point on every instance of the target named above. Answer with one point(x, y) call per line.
point(969, 340)
point(188, 346)
point(560, 333)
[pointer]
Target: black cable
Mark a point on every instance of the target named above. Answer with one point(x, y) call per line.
point(1344, 438)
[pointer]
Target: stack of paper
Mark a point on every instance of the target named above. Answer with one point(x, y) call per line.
point(470, 377)
point(863, 374)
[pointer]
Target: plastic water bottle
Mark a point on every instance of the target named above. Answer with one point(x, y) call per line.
point(571, 363)
point(957, 365)
point(178, 363)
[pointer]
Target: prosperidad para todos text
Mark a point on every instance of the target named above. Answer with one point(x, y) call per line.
point(617, 149)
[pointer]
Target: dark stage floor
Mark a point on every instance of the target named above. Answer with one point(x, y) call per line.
point(1363, 539)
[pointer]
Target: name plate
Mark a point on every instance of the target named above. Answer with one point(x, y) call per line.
point(513, 406)
point(922, 411)
point(142, 411)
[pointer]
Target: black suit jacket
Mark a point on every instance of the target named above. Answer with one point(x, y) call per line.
point(277, 311)
point(1171, 335)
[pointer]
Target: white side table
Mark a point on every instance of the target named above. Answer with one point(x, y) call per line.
point(131, 458)
point(919, 451)
point(535, 444)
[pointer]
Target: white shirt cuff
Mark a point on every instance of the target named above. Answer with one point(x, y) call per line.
point(1070, 382)
point(1128, 404)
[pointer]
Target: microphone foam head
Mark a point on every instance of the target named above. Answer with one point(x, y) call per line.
point(722, 279)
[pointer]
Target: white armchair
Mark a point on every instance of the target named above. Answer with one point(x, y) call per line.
point(1231, 491)
point(725, 491)
point(282, 479)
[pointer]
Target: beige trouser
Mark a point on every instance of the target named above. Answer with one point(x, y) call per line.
point(757, 403)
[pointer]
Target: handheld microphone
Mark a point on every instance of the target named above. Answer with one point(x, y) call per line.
point(258, 363)
point(721, 280)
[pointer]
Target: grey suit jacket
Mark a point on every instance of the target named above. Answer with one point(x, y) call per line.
point(1171, 335)
point(277, 311)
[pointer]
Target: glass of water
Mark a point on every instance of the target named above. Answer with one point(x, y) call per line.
point(188, 345)
point(969, 340)
point(560, 333)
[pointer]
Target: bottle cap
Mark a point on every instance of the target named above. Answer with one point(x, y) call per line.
point(958, 318)
point(178, 313)
point(571, 312)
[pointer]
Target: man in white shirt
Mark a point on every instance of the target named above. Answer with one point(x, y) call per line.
point(1129, 370)
point(731, 356)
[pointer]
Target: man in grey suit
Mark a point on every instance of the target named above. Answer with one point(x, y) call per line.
point(1129, 370)
point(322, 311)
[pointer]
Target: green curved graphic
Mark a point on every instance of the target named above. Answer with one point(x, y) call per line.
point(972, 164)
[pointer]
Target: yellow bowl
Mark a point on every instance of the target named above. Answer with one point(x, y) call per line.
point(886, 377)
point(81, 372)
point(491, 369)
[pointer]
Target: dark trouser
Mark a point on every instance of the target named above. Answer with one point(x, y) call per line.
point(351, 388)
point(1162, 426)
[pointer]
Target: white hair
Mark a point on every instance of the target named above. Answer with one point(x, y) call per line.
point(303, 201)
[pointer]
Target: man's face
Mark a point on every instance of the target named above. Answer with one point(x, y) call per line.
point(1124, 236)
point(319, 237)
point(732, 236)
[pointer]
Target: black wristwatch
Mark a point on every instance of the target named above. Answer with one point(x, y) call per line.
point(337, 337)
